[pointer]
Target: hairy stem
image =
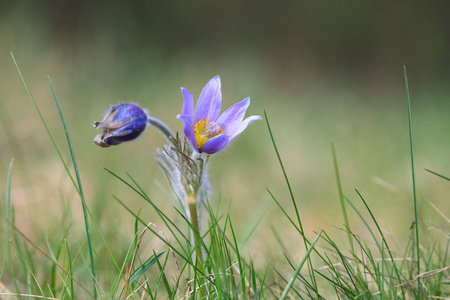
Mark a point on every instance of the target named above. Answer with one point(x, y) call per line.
point(197, 241)
point(192, 204)
point(161, 126)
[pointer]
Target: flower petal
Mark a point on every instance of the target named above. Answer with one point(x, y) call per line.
point(209, 102)
point(188, 105)
point(189, 130)
point(233, 116)
point(215, 144)
point(241, 127)
point(118, 137)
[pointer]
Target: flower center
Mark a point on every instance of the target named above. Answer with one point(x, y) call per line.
point(205, 130)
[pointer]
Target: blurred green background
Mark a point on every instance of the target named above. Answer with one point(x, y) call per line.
point(324, 71)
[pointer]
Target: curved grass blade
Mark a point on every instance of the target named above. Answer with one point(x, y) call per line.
point(299, 267)
point(293, 201)
point(383, 240)
point(284, 173)
point(163, 277)
point(80, 188)
point(77, 187)
point(141, 270)
point(144, 267)
point(341, 198)
point(45, 124)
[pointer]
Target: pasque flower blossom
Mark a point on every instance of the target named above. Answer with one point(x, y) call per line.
point(207, 129)
point(123, 122)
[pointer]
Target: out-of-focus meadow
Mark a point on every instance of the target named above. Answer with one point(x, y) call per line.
point(323, 71)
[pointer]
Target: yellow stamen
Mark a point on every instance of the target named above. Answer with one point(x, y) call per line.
point(205, 130)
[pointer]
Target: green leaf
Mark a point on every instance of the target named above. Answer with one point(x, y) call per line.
point(144, 267)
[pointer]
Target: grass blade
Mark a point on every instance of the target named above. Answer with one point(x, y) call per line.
point(383, 241)
point(292, 198)
point(416, 218)
point(44, 124)
point(72, 293)
point(8, 227)
point(80, 187)
point(299, 267)
point(29, 241)
point(239, 260)
point(442, 176)
point(77, 187)
point(341, 198)
point(284, 173)
point(144, 267)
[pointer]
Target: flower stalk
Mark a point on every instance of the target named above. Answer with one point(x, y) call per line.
point(186, 171)
point(193, 213)
point(161, 126)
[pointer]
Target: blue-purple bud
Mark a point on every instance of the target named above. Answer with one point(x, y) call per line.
point(122, 123)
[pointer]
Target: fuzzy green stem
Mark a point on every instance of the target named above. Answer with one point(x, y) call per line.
point(192, 204)
point(161, 126)
point(197, 241)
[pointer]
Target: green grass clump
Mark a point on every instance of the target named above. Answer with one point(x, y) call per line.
point(65, 262)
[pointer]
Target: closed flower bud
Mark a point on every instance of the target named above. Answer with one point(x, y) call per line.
point(122, 123)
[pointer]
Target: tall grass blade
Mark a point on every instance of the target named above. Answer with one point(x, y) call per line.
point(29, 273)
point(284, 173)
point(293, 200)
point(299, 267)
point(364, 221)
point(416, 218)
point(241, 267)
point(8, 227)
point(77, 187)
point(14, 143)
point(341, 198)
point(80, 187)
point(384, 242)
point(284, 212)
point(56, 257)
point(72, 293)
point(163, 277)
point(44, 124)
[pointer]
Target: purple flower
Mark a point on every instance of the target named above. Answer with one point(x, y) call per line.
point(207, 129)
point(122, 123)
